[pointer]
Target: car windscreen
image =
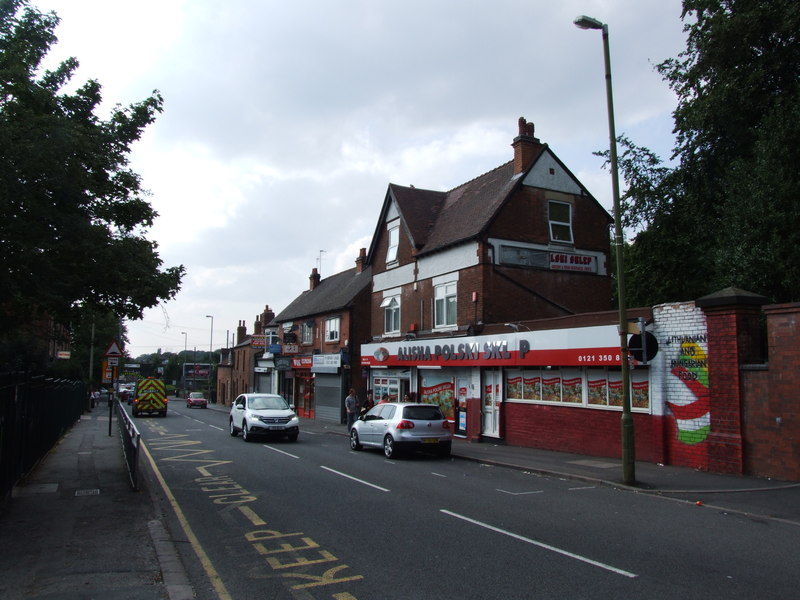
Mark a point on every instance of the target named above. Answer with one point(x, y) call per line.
point(422, 413)
point(268, 403)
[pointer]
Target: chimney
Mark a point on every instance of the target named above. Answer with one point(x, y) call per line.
point(314, 279)
point(526, 146)
point(258, 326)
point(267, 316)
point(362, 257)
point(241, 332)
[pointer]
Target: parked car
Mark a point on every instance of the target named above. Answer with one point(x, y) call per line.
point(196, 399)
point(398, 427)
point(261, 415)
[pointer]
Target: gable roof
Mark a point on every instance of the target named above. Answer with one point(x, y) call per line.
point(333, 293)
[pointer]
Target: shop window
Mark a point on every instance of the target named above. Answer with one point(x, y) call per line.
point(332, 325)
point(560, 218)
point(444, 307)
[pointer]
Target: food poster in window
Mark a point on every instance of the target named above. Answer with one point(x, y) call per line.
point(531, 385)
point(572, 386)
point(615, 388)
point(551, 387)
point(513, 385)
point(640, 389)
point(440, 391)
point(597, 384)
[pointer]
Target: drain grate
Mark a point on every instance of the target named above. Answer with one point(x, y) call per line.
point(92, 492)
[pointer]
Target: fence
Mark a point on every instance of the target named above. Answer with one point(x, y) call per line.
point(130, 444)
point(35, 412)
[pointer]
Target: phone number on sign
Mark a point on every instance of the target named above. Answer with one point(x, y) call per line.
point(599, 358)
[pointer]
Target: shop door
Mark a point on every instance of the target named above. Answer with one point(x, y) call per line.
point(491, 399)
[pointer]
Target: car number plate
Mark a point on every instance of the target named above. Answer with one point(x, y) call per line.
point(430, 440)
point(274, 427)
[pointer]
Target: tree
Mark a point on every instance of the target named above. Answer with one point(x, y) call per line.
point(727, 213)
point(74, 215)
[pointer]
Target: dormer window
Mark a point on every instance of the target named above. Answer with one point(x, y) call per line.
point(560, 218)
point(394, 242)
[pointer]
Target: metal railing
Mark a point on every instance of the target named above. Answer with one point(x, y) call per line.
point(35, 412)
point(131, 440)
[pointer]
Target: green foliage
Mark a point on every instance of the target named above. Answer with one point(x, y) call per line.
point(72, 236)
point(726, 214)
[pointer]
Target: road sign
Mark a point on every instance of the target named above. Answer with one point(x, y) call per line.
point(113, 349)
point(113, 361)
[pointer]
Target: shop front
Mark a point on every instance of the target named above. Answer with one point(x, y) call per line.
point(510, 385)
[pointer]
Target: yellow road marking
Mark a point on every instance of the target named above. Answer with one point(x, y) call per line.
point(208, 567)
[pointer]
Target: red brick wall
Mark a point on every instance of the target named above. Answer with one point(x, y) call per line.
point(578, 430)
point(771, 410)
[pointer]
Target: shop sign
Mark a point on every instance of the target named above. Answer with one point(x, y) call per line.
point(283, 363)
point(302, 362)
point(584, 346)
point(326, 363)
point(291, 349)
point(258, 341)
point(584, 263)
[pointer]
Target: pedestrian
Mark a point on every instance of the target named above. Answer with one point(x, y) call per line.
point(351, 407)
point(368, 403)
point(384, 399)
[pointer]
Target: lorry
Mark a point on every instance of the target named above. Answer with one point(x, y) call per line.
point(150, 397)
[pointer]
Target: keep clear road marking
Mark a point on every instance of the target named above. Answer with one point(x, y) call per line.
point(377, 487)
point(543, 545)
point(281, 451)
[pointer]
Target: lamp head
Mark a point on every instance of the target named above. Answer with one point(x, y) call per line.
point(585, 22)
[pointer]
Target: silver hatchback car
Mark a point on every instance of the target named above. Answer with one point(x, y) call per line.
point(397, 427)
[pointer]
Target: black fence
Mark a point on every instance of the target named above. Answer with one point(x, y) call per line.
point(131, 439)
point(34, 413)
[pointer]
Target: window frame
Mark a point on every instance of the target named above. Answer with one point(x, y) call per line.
point(333, 334)
point(445, 305)
point(307, 333)
point(391, 314)
point(553, 223)
point(393, 243)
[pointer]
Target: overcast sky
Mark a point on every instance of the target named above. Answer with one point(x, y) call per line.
point(284, 122)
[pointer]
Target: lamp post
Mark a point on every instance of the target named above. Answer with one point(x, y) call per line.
point(210, 354)
point(628, 452)
point(183, 368)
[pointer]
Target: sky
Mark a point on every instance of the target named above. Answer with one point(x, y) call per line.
point(285, 122)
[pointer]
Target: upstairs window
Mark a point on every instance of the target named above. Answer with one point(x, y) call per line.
point(391, 314)
point(394, 242)
point(444, 305)
point(332, 325)
point(560, 217)
point(307, 332)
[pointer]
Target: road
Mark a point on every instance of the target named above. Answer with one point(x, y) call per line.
point(313, 520)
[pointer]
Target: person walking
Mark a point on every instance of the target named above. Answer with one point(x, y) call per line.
point(368, 403)
point(351, 407)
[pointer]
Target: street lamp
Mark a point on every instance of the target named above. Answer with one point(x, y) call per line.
point(183, 370)
point(210, 354)
point(628, 452)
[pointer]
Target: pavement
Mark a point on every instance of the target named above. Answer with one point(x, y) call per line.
point(75, 529)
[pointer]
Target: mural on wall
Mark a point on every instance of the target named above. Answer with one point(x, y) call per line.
point(692, 415)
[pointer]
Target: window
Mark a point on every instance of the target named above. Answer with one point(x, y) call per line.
point(332, 329)
point(394, 241)
point(444, 305)
point(560, 222)
point(307, 332)
point(391, 314)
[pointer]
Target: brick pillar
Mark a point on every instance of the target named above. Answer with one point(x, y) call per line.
point(732, 316)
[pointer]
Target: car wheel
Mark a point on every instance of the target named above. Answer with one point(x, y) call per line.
point(354, 443)
point(292, 437)
point(232, 429)
point(389, 449)
point(245, 435)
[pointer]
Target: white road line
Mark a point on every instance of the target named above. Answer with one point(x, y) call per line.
point(519, 493)
point(586, 487)
point(377, 487)
point(543, 545)
point(438, 474)
point(220, 428)
point(281, 451)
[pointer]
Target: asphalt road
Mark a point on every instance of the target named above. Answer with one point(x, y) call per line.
point(313, 520)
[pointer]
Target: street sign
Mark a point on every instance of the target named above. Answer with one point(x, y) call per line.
point(113, 361)
point(113, 349)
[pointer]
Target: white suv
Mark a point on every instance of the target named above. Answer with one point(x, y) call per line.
point(263, 414)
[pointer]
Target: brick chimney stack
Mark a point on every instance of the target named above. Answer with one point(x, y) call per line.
point(258, 326)
point(362, 257)
point(241, 332)
point(526, 146)
point(267, 316)
point(314, 279)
